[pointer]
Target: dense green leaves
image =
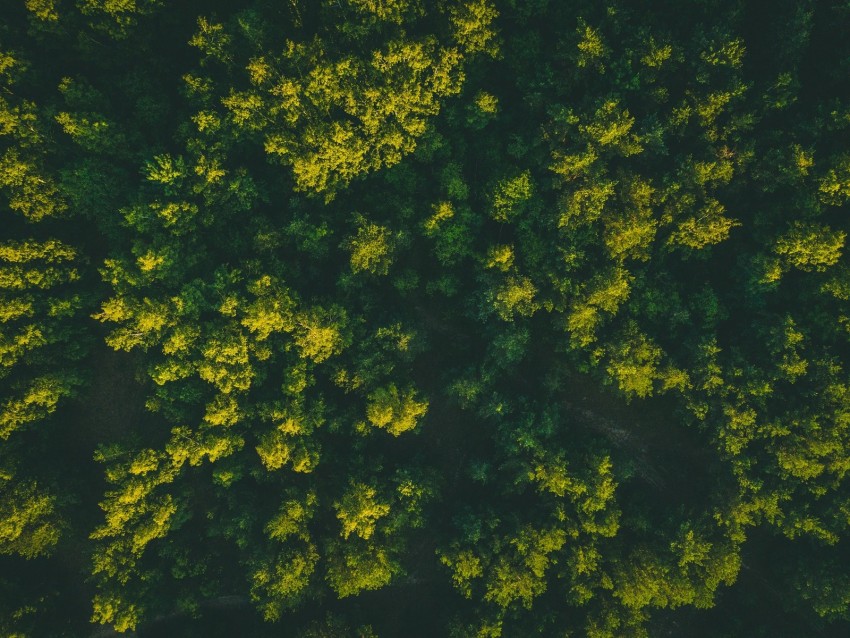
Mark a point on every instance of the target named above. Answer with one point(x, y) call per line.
point(405, 317)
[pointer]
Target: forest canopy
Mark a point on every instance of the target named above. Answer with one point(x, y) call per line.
point(463, 318)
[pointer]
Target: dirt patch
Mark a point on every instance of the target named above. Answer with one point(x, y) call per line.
point(113, 406)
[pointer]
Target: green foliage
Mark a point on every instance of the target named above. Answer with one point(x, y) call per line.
point(28, 523)
point(605, 293)
point(709, 228)
point(472, 26)
point(355, 567)
point(510, 197)
point(528, 312)
point(358, 511)
point(515, 298)
point(387, 98)
point(634, 364)
point(37, 340)
point(319, 332)
point(519, 574)
point(371, 249)
point(280, 584)
point(811, 247)
point(117, 17)
point(395, 411)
